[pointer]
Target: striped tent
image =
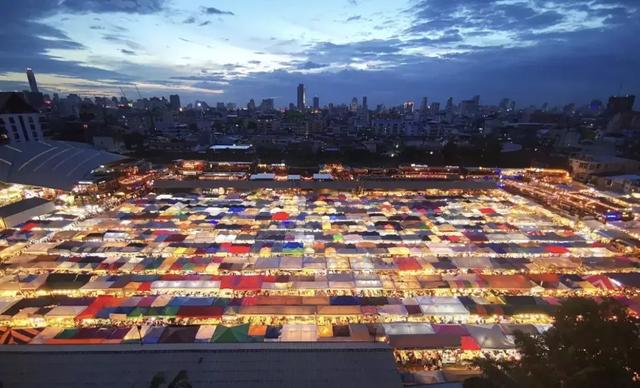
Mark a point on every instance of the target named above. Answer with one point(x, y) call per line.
point(9, 336)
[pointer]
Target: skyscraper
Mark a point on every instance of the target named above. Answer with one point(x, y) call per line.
point(424, 105)
point(354, 104)
point(620, 104)
point(301, 98)
point(449, 107)
point(365, 107)
point(32, 81)
point(174, 101)
point(316, 103)
point(267, 105)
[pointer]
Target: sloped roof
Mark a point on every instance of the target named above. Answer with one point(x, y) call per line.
point(54, 164)
point(11, 102)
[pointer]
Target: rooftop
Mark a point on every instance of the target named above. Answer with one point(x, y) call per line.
point(20, 206)
point(12, 103)
point(54, 164)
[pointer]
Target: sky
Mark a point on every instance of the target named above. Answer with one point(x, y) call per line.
point(533, 51)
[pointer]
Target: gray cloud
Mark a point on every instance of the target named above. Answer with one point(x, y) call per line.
point(216, 11)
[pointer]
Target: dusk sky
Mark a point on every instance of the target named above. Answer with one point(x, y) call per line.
point(392, 51)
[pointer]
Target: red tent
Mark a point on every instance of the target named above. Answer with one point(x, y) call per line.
point(98, 304)
point(556, 249)
point(407, 263)
point(200, 312)
point(280, 216)
point(469, 343)
point(229, 282)
point(249, 283)
point(236, 248)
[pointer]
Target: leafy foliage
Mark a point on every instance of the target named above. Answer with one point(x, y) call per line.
point(589, 345)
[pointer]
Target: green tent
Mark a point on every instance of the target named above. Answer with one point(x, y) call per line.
point(137, 312)
point(234, 334)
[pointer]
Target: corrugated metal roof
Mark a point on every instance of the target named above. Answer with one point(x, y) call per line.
point(54, 164)
point(20, 206)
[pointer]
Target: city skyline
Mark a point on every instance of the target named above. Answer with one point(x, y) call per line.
point(529, 51)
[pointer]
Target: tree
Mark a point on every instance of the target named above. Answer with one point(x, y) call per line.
point(589, 345)
point(181, 380)
point(449, 152)
point(157, 381)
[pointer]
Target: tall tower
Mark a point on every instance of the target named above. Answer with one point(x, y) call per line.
point(301, 98)
point(32, 81)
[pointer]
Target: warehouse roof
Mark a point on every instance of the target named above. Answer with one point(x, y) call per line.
point(20, 206)
point(54, 164)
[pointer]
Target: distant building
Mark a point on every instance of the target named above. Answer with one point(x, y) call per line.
point(267, 105)
point(316, 103)
point(449, 106)
point(620, 104)
point(32, 81)
point(301, 102)
point(354, 104)
point(424, 105)
point(583, 167)
point(174, 102)
point(19, 121)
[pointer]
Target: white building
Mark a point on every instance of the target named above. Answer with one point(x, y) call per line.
point(19, 121)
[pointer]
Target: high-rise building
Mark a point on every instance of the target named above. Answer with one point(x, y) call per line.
point(354, 104)
point(435, 108)
point(620, 104)
point(504, 104)
point(267, 105)
point(19, 121)
point(251, 106)
point(174, 102)
point(449, 106)
point(301, 102)
point(316, 103)
point(408, 106)
point(365, 106)
point(32, 81)
point(424, 105)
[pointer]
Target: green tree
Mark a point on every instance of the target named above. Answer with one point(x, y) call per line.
point(181, 380)
point(590, 345)
point(449, 152)
point(157, 381)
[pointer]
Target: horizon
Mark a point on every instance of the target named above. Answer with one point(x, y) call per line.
point(556, 52)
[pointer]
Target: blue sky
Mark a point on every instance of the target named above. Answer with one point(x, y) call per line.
point(531, 50)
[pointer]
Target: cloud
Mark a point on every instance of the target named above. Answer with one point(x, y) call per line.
point(309, 65)
point(530, 50)
point(121, 39)
point(205, 23)
point(26, 40)
point(216, 11)
point(189, 20)
point(354, 18)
